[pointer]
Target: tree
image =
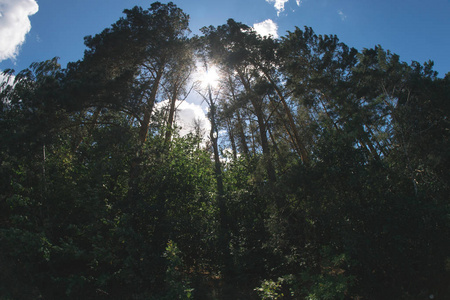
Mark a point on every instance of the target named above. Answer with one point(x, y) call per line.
point(176, 82)
point(227, 46)
point(337, 187)
point(130, 61)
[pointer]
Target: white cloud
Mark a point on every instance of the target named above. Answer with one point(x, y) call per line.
point(266, 28)
point(14, 25)
point(187, 115)
point(342, 15)
point(279, 4)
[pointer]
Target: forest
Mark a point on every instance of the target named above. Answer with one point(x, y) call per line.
point(324, 174)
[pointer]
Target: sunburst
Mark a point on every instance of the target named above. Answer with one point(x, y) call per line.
point(210, 78)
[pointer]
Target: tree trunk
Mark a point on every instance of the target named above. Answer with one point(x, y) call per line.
point(295, 136)
point(242, 138)
point(265, 143)
point(143, 132)
point(257, 105)
point(232, 139)
point(224, 235)
point(145, 124)
point(240, 129)
point(170, 119)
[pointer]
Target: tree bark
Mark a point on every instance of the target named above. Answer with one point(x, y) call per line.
point(295, 136)
point(257, 105)
point(145, 124)
point(171, 117)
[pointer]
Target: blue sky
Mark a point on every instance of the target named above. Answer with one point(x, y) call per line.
point(33, 30)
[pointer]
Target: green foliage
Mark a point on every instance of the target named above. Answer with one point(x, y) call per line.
point(337, 182)
point(270, 289)
point(332, 282)
point(178, 288)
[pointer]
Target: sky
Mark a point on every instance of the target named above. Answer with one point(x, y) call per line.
point(417, 30)
point(37, 30)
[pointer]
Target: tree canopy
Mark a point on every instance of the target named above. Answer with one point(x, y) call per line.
point(325, 175)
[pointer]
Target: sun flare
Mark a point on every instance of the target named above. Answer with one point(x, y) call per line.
point(210, 77)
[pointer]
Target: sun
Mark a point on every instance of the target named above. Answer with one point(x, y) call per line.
point(210, 78)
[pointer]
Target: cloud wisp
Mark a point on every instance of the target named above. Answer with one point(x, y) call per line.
point(279, 4)
point(266, 28)
point(14, 25)
point(342, 15)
